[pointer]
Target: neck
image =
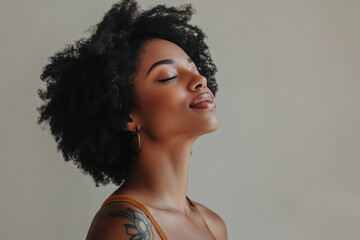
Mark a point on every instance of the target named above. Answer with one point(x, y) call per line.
point(161, 172)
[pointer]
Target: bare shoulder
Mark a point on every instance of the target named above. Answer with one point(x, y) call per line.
point(214, 221)
point(121, 221)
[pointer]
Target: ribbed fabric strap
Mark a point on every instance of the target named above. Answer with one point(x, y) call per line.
point(142, 206)
point(124, 198)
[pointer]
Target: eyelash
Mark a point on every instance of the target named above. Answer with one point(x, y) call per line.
point(164, 80)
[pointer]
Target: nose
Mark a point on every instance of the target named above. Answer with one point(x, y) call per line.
point(198, 81)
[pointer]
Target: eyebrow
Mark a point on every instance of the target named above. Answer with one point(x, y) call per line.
point(165, 61)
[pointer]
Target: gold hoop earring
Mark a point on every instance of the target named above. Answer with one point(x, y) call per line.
point(138, 135)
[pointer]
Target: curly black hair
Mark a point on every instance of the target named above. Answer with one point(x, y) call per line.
point(89, 89)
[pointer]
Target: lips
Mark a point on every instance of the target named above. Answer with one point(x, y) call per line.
point(202, 98)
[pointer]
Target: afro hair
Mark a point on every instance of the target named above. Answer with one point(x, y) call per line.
point(89, 90)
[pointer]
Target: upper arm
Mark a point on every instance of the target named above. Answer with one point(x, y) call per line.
point(125, 222)
point(214, 221)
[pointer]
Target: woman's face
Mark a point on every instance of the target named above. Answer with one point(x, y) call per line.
point(164, 106)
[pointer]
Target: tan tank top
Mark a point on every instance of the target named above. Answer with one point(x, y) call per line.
point(137, 203)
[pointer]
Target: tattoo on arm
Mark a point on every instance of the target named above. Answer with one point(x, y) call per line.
point(140, 227)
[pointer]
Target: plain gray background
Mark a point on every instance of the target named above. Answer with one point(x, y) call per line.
point(284, 162)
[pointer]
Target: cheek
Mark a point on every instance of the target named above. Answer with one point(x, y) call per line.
point(166, 102)
point(165, 109)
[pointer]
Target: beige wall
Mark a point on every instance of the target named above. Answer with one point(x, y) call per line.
point(285, 161)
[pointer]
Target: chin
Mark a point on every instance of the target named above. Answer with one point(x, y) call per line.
point(216, 126)
point(210, 126)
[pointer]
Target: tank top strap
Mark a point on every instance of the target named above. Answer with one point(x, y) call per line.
point(192, 203)
point(137, 203)
point(142, 206)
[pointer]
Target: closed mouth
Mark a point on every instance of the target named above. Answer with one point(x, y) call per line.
point(204, 97)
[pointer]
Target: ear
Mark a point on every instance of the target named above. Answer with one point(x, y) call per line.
point(132, 123)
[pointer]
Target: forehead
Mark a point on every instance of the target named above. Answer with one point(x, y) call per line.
point(159, 49)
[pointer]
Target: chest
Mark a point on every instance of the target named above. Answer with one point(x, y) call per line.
point(181, 233)
point(179, 228)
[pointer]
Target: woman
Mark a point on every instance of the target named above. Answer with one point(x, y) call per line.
point(126, 105)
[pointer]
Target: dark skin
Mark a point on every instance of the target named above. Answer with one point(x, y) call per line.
point(168, 130)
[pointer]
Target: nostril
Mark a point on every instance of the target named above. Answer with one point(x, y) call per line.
point(200, 84)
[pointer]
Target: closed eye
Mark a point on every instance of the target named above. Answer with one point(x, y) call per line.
point(164, 80)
